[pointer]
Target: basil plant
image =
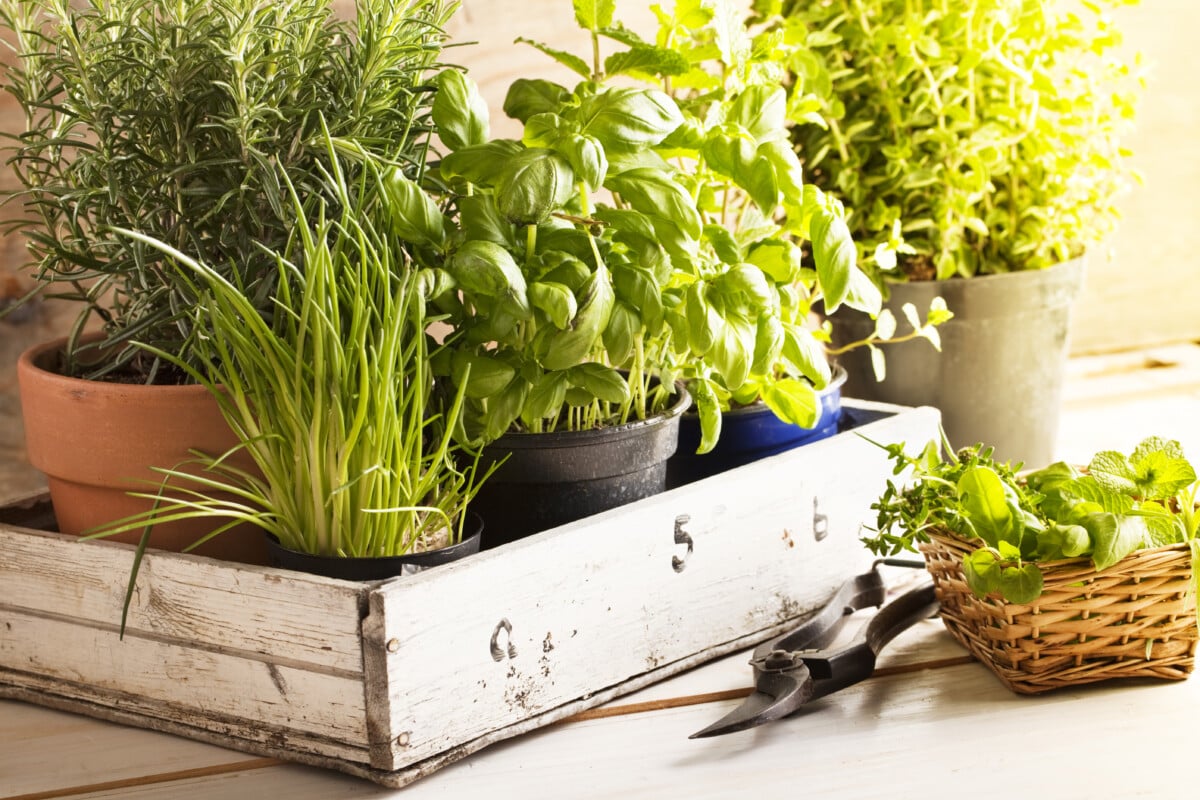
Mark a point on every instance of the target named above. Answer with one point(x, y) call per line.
point(558, 307)
point(652, 225)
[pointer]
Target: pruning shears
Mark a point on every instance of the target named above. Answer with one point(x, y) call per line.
point(794, 669)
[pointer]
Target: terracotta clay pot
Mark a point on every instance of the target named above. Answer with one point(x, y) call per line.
point(96, 441)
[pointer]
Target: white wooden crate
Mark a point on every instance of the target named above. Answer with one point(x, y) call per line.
point(391, 681)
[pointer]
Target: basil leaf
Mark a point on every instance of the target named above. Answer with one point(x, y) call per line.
point(729, 154)
point(638, 288)
point(762, 111)
point(806, 355)
point(587, 158)
point(1114, 537)
point(792, 401)
point(619, 335)
point(487, 269)
point(748, 280)
point(527, 97)
point(656, 194)
point(545, 130)
point(602, 382)
point(709, 410)
point(777, 258)
point(459, 112)
point(768, 344)
point(834, 254)
point(789, 174)
point(732, 350)
point(703, 321)
point(479, 219)
point(534, 183)
point(415, 216)
point(723, 244)
point(572, 346)
point(504, 408)
point(981, 493)
point(1075, 541)
point(555, 300)
point(479, 164)
point(487, 375)
point(862, 293)
point(546, 397)
point(628, 118)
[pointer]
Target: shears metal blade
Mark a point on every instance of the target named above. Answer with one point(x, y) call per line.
point(794, 669)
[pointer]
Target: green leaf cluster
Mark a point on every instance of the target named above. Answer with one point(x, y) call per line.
point(965, 138)
point(333, 397)
point(651, 219)
point(1118, 504)
point(186, 121)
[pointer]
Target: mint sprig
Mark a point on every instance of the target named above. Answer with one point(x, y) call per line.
point(1119, 504)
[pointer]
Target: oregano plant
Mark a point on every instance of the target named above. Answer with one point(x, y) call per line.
point(965, 138)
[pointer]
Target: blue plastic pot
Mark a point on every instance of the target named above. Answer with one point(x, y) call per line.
point(751, 433)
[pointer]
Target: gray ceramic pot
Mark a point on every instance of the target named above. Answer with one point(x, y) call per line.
point(998, 379)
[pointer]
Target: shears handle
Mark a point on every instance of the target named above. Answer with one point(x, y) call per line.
point(862, 591)
point(832, 671)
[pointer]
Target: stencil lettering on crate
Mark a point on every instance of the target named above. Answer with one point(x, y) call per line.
point(502, 645)
point(682, 537)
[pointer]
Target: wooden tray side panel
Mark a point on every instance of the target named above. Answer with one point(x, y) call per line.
point(560, 616)
point(237, 650)
point(286, 616)
point(184, 679)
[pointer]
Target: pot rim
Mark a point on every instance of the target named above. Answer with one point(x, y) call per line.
point(29, 367)
point(522, 439)
point(468, 545)
point(835, 384)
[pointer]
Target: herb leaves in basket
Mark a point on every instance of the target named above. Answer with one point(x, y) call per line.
point(1118, 504)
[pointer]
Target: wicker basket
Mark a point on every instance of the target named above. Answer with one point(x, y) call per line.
point(1136, 619)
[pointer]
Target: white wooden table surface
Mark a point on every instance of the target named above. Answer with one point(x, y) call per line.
point(930, 723)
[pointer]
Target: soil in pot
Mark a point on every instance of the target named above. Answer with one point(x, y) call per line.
point(550, 479)
point(379, 568)
point(751, 433)
point(97, 441)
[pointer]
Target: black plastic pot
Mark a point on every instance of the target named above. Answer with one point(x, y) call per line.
point(751, 433)
point(379, 568)
point(998, 379)
point(550, 479)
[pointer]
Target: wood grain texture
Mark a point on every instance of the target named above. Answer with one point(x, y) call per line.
point(43, 750)
point(541, 629)
point(177, 682)
point(289, 618)
point(595, 603)
point(948, 733)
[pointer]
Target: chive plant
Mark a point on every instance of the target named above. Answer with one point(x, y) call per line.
point(187, 121)
point(333, 396)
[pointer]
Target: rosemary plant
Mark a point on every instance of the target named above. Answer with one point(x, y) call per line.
point(334, 397)
point(187, 121)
